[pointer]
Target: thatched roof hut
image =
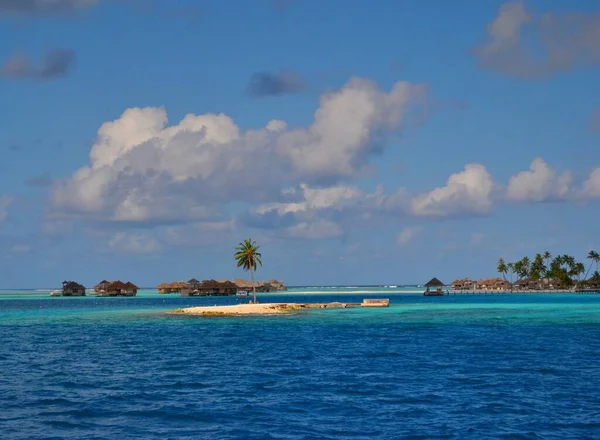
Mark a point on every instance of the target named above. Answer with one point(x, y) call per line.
point(116, 287)
point(434, 282)
point(163, 288)
point(214, 287)
point(71, 288)
point(228, 288)
point(242, 283)
point(193, 283)
point(210, 284)
point(130, 288)
point(101, 285)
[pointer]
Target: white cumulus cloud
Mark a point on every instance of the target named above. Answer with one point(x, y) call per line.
point(466, 193)
point(347, 126)
point(591, 187)
point(540, 184)
point(141, 169)
point(312, 199)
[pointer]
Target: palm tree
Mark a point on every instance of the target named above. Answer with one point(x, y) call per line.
point(511, 269)
point(537, 268)
point(578, 270)
point(502, 268)
point(547, 260)
point(547, 257)
point(556, 271)
point(593, 256)
point(247, 257)
point(526, 264)
point(518, 265)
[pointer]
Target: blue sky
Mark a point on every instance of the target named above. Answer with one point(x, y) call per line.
point(357, 142)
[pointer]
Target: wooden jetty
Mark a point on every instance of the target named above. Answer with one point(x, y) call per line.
point(383, 302)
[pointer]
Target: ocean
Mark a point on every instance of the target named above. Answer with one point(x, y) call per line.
point(452, 367)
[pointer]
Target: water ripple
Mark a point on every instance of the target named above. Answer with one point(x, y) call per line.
point(417, 371)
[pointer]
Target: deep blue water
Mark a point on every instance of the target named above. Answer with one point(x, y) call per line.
point(452, 367)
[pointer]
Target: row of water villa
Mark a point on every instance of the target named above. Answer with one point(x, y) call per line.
point(239, 287)
point(193, 287)
point(467, 285)
point(103, 288)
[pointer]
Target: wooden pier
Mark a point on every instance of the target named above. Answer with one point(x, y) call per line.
point(384, 302)
point(588, 291)
point(519, 292)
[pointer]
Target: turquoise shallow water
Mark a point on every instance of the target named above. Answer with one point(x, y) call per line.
point(502, 366)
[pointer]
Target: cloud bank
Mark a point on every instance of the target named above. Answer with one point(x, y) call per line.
point(143, 170)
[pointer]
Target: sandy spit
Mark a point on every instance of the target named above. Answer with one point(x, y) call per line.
point(239, 309)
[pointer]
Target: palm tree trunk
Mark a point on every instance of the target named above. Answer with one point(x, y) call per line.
point(588, 271)
point(253, 286)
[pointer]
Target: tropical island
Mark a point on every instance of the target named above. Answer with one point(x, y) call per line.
point(248, 258)
point(542, 273)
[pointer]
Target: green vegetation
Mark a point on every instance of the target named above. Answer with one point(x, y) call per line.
point(247, 257)
point(562, 271)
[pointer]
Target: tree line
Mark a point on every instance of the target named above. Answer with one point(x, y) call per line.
point(564, 270)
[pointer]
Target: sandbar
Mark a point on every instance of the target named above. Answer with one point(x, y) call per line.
point(240, 309)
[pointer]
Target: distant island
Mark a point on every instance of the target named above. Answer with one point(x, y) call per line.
point(542, 273)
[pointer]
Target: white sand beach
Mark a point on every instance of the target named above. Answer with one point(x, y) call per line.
point(240, 309)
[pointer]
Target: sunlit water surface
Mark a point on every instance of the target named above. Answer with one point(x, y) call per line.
point(501, 366)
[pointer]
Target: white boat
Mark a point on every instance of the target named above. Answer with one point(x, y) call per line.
point(56, 293)
point(242, 293)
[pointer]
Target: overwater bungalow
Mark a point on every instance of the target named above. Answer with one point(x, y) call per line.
point(209, 288)
point(71, 288)
point(193, 283)
point(465, 284)
point(592, 285)
point(212, 288)
point(115, 288)
point(229, 288)
point(525, 284)
point(163, 288)
point(174, 287)
point(101, 287)
point(492, 284)
point(130, 289)
point(436, 284)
